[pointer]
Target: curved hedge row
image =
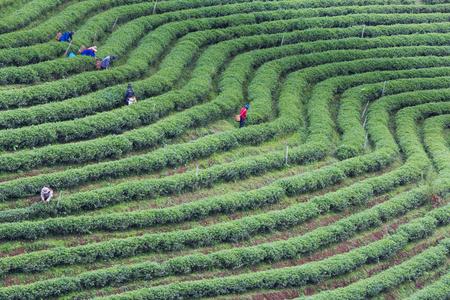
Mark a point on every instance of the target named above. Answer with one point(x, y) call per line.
point(128, 34)
point(62, 89)
point(154, 187)
point(272, 252)
point(230, 231)
point(161, 81)
point(406, 128)
point(294, 276)
point(63, 20)
point(358, 87)
point(27, 13)
point(71, 177)
point(353, 100)
point(139, 59)
point(438, 290)
point(134, 140)
point(116, 119)
point(409, 270)
point(94, 28)
point(53, 49)
point(435, 143)
point(199, 236)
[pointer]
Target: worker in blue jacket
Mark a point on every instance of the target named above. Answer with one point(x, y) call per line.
point(66, 36)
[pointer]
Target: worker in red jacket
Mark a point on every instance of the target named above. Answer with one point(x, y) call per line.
point(243, 115)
